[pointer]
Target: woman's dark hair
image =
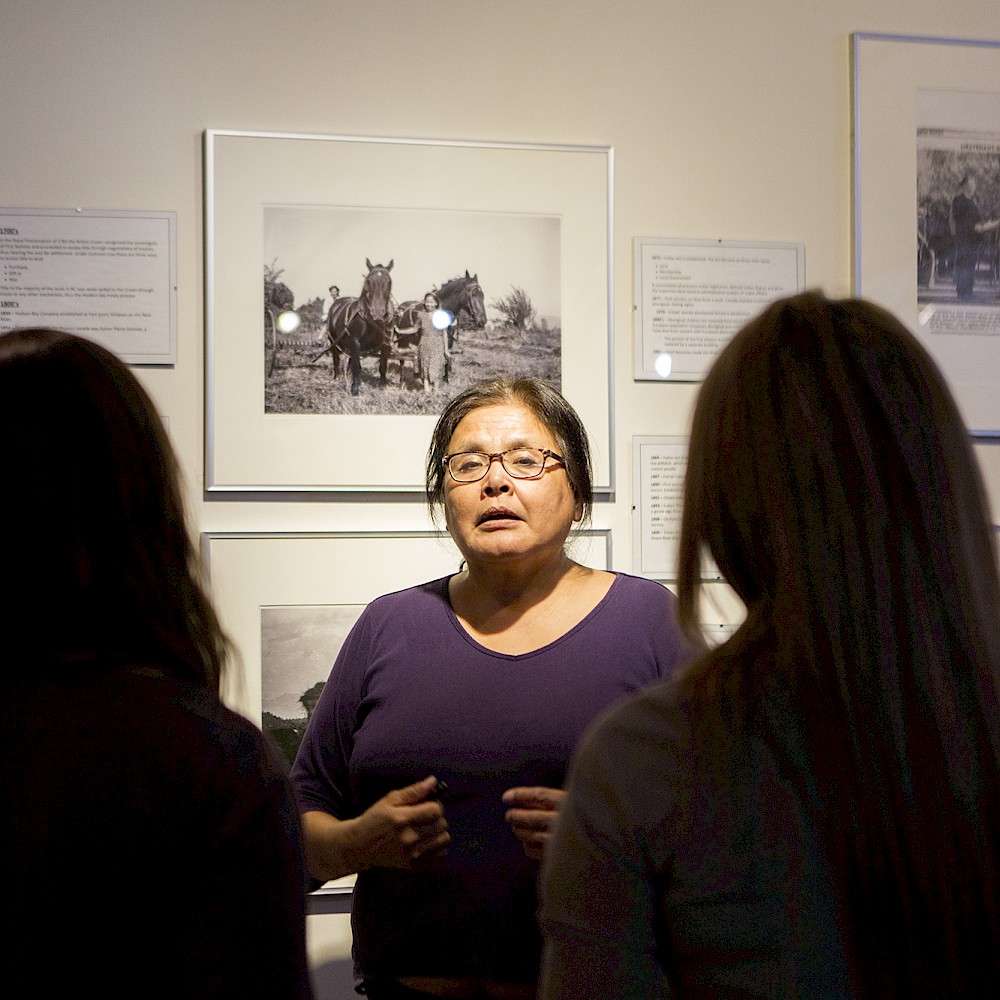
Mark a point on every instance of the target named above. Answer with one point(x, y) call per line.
point(546, 403)
point(831, 479)
point(99, 562)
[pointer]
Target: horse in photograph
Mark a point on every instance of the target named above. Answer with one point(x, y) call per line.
point(405, 326)
point(462, 297)
point(362, 327)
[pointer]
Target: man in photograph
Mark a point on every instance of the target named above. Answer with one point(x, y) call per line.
point(965, 222)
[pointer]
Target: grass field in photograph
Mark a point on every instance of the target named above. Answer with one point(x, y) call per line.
point(298, 384)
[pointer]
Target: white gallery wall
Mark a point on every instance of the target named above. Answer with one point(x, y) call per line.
point(730, 119)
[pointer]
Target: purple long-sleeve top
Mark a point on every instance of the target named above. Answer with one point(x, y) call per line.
point(413, 694)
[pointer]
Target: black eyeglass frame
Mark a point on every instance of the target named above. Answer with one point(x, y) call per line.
point(546, 454)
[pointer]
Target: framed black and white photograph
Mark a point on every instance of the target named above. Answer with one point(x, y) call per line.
point(356, 284)
point(298, 645)
point(927, 202)
point(288, 601)
point(319, 273)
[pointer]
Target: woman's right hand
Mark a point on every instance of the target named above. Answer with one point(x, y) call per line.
point(404, 829)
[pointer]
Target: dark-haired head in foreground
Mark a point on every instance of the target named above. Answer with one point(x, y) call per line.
point(99, 562)
point(831, 479)
point(118, 761)
point(810, 810)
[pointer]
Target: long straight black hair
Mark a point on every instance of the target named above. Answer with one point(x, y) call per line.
point(98, 561)
point(833, 482)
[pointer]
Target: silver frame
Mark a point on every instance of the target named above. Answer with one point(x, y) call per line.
point(875, 272)
point(215, 442)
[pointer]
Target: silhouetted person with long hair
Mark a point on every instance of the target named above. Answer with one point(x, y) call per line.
point(150, 840)
point(812, 809)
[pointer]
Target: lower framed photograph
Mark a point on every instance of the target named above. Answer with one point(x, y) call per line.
point(288, 600)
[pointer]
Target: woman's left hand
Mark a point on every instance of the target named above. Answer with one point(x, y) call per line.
point(531, 815)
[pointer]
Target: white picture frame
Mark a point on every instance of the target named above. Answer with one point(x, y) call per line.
point(909, 92)
point(248, 450)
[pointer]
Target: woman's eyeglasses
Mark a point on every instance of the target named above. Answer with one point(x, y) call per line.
point(518, 463)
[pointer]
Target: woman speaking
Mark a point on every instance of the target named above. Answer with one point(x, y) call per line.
point(433, 765)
